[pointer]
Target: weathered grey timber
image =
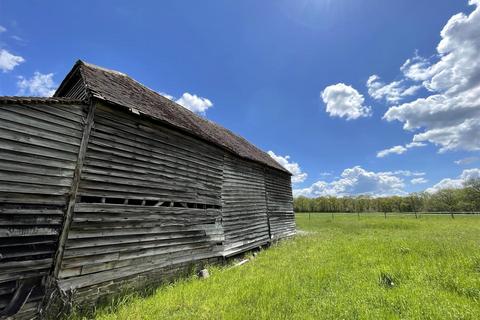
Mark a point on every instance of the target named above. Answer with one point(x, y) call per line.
point(109, 185)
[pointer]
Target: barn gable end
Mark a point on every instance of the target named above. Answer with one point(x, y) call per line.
point(125, 188)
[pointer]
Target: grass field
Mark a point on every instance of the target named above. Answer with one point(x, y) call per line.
point(345, 268)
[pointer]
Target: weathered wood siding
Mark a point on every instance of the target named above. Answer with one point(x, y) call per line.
point(38, 151)
point(244, 208)
point(149, 198)
point(280, 204)
point(151, 201)
point(76, 89)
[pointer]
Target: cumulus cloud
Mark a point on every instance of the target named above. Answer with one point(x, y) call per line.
point(392, 92)
point(456, 183)
point(450, 116)
point(9, 61)
point(356, 181)
point(2, 29)
point(38, 85)
point(416, 68)
point(345, 102)
point(297, 174)
point(407, 173)
point(194, 103)
point(418, 181)
point(399, 149)
point(191, 101)
point(467, 160)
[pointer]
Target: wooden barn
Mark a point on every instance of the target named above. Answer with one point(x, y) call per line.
point(109, 185)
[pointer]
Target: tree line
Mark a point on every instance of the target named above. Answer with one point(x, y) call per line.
point(451, 201)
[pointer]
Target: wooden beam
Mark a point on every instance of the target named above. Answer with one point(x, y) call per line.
point(74, 188)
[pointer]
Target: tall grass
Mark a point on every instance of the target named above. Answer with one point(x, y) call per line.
point(341, 268)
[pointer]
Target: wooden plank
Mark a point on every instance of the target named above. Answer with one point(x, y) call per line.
point(30, 149)
point(24, 121)
point(15, 231)
point(74, 188)
point(47, 114)
point(16, 137)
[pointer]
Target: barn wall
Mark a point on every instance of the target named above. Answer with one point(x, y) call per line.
point(244, 208)
point(149, 200)
point(39, 145)
point(280, 204)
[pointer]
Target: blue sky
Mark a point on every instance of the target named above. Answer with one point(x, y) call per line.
point(268, 70)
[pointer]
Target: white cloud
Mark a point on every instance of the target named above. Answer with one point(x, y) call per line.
point(399, 149)
point(194, 103)
point(415, 145)
point(392, 92)
point(9, 61)
point(416, 68)
point(418, 181)
point(297, 174)
point(467, 160)
point(450, 116)
point(191, 101)
point(17, 38)
point(355, 181)
point(2, 29)
point(457, 183)
point(325, 174)
point(168, 96)
point(39, 85)
point(344, 101)
point(408, 173)
point(395, 149)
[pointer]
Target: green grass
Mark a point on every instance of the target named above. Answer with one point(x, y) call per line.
point(345, 268)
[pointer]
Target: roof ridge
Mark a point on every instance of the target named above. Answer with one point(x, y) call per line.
point(91, 65)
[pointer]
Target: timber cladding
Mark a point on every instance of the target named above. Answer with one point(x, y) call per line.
point(97, 197)
point(39, 145)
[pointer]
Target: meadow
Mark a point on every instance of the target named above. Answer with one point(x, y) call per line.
point(343, 267)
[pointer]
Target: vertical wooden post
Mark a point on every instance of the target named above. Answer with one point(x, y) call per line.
point(74, 188)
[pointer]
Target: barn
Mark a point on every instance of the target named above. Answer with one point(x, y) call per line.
point(108, 186)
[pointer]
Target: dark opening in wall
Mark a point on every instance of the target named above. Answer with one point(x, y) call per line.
point(179, 205)
point(89, 199)
point(115, 200)
point(147, 203)
point(135, 202)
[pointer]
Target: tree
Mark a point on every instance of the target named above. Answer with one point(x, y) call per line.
point(472, 193)
point(448, 200)
point(466, 199)
point(385, 205)
point(415, 201)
